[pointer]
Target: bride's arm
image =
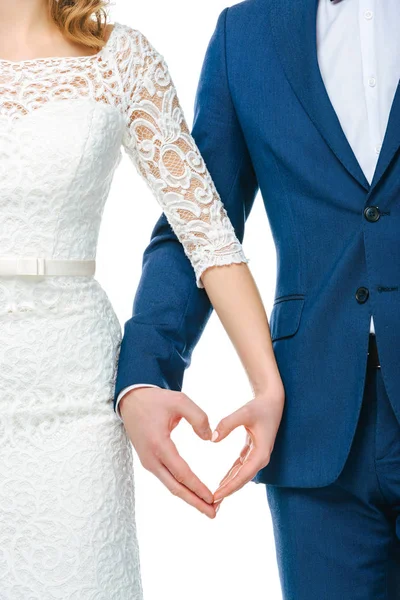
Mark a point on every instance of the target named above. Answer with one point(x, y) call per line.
point(159, 143)
point(235, 298)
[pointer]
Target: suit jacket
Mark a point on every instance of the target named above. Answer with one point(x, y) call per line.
point(263, 120)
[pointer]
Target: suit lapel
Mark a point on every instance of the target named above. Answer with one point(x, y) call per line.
point(293, 27)
point(391, 141)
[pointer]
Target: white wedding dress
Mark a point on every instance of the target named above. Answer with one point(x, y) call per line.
point(67, 515)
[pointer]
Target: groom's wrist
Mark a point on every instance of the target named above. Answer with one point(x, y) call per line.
point(125, 391)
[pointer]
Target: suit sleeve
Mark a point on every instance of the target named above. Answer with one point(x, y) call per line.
point(170, 310)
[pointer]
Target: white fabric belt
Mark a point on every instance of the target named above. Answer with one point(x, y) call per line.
point(38, 266)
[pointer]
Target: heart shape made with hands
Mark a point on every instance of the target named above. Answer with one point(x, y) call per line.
point(260, 418)
point(152, 431)
point(208, 461)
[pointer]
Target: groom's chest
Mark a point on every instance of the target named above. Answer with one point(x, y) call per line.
point(331, 83)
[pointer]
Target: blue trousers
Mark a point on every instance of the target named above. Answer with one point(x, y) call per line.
point(342, 541)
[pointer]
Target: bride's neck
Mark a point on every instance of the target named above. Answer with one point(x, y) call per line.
point(22, 20)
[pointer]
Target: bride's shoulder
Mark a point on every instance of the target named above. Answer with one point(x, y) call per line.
point(130, 40)
point(132, 53)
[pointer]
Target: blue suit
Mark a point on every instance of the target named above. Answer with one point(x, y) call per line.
point(264, 121)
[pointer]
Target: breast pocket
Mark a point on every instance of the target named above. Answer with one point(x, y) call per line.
point(285, 316)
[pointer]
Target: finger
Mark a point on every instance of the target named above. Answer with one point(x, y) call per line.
point(229, 423)
point(228, 474)
point(217, 507)
point(194, 415)
point(182, 473)
point(242, 457)
point(241, 475)
point(179, 490)
point(237, 462)
point(246, 450)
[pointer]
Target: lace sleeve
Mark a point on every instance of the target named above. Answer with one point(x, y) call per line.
point(158, 141)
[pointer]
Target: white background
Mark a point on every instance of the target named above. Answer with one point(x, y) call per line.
point(185, 555)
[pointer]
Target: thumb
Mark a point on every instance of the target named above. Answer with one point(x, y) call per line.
point(197, 418)
point(228, 424)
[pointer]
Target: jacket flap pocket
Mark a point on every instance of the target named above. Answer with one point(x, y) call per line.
point(285, 316)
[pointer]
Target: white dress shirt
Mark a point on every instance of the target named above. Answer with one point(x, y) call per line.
point(358, 47)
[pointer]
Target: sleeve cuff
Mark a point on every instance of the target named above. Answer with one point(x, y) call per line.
point(218, 260)
point(125, 391)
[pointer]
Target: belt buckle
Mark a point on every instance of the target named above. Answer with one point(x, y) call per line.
point(31, 266)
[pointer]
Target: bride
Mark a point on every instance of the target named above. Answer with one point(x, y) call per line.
point(74, 90)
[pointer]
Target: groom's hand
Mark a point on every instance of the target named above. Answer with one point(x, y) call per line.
point(150, 415)
point(261, 418)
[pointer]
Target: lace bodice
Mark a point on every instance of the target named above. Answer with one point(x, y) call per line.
point(63, 121)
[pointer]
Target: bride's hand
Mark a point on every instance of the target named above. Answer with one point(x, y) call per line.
point(261, 418)
point(150, 415)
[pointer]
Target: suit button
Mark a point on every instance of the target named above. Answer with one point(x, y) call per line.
point(362, 295)
point(372, 214)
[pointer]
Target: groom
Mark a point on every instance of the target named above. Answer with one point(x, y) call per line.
point(300, 99)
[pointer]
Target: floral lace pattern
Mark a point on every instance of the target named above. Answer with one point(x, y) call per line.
point(160, 145)
point(67, 527)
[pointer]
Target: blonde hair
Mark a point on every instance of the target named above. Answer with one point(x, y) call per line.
point(81, 21)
